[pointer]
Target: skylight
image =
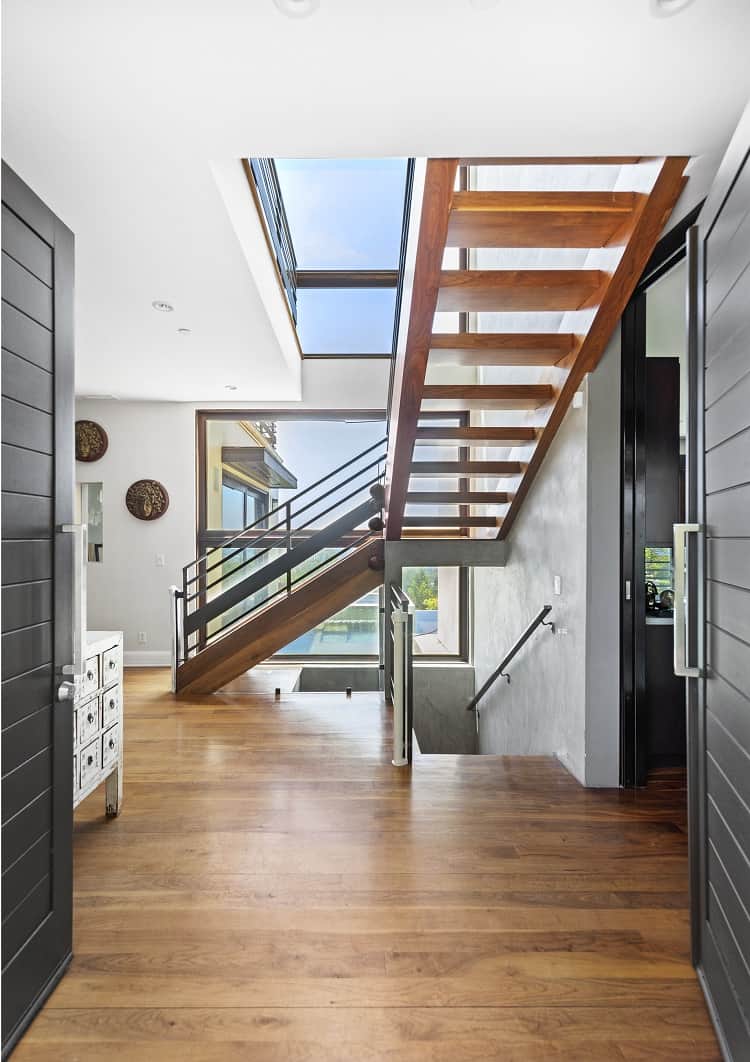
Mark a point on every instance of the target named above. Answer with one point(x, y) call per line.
point(336, 226)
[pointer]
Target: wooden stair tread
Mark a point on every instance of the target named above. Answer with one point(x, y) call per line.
point(499, 290)
point(490, 396)
point(476, 435)
point(437, 469)
point(501, 348)
point(261, 635)
point(451, 521)
point(457, 497)
point(540, 219)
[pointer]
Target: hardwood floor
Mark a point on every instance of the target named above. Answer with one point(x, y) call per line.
point(275, 891)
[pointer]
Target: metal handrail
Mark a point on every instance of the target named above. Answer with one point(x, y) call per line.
point(286, 506)
point(499, 672)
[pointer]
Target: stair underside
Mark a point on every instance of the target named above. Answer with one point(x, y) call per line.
point(265, 633)
point(527, 225)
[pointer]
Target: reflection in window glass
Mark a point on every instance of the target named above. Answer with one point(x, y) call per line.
point(346, 320)
point(351, 632)
point(344, 213)
point(436, 598)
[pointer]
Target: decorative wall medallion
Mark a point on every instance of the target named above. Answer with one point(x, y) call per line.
point(147, 499)
point(91, 440)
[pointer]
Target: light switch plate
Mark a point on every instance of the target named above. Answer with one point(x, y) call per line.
point(556, 585)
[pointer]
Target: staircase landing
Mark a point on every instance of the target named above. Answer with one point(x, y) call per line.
point(275, 890)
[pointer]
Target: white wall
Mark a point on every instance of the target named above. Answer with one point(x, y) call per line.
point(156, 440)
point(127, 591)
point(563, 697)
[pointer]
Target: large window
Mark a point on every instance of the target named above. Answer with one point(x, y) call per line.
point(250, 466)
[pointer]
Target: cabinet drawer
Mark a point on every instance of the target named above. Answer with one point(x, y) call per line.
point(90, 680)
point(110, 665)
point(89, 721)
point(111, 706)
point(90, 763)
point(111, 745)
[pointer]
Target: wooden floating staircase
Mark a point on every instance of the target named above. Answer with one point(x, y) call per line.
point(533, 221)
point(467, 391)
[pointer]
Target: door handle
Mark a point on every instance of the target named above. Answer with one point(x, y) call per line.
point(681, 604)
point(66, 691)
point(80, 534)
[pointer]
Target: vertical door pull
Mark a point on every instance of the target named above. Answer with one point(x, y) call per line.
point(681, 604)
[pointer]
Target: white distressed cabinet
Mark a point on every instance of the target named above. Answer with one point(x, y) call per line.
point(97, 720)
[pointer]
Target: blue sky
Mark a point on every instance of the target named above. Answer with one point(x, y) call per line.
point(345, 214)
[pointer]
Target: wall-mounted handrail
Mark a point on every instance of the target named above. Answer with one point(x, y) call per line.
point(499, 672)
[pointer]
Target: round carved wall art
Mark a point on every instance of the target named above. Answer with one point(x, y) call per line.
point(91, 440)
point(147, 499)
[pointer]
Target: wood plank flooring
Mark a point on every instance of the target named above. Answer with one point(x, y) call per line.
point(275, 891)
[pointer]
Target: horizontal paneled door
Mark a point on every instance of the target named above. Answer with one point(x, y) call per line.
point(720, 730)
point(37, 622)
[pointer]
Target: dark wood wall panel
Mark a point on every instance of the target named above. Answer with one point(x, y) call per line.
point(25, 382)
point(26, 738)
point(25, 784)
point(37, 497)
point(25, 425)
point(27, 604)
point(25, 918)
point(723, 327)
point(26, 693)
point(25, 292)
point(29, 250)
point(23, 875)
point(27, 826)
point(729, 366)
point(732, 857)
point(728, 561)
point(728, 465)
point(26, 517)
point(26, 562)
point(728, 416)
point(727, 599)
point(26, 471)
point(24, 650)
point(27, 338)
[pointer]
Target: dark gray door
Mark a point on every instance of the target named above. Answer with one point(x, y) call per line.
point(37, 630)
point(719, 503)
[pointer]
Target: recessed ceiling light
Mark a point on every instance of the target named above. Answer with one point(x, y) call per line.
point(665, 8)
point(297, 8)
point(183, 331)
point(163, 307)
point(230, 387)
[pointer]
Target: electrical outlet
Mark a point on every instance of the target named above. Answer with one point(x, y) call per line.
point(556, 585)
point(142, 637)
point(160, 562)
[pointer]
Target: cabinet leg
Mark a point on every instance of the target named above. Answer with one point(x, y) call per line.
point(113, 787)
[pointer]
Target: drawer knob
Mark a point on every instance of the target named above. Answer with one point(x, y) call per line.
point(112, 702)
point(90, 717)
point(89, 675)
point(111, 743)
point(111, 665)
point(90, 760)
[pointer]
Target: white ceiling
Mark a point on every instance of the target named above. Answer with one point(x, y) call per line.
point(115, 110)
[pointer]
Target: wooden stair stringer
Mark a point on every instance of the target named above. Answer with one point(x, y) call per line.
point(263, 634)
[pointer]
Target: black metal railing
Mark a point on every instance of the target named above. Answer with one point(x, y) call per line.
point(499, 672)
point(269, 192)
point(280, 551)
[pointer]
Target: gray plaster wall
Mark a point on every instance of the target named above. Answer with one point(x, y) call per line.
point(564, 692)
point(441, 722)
